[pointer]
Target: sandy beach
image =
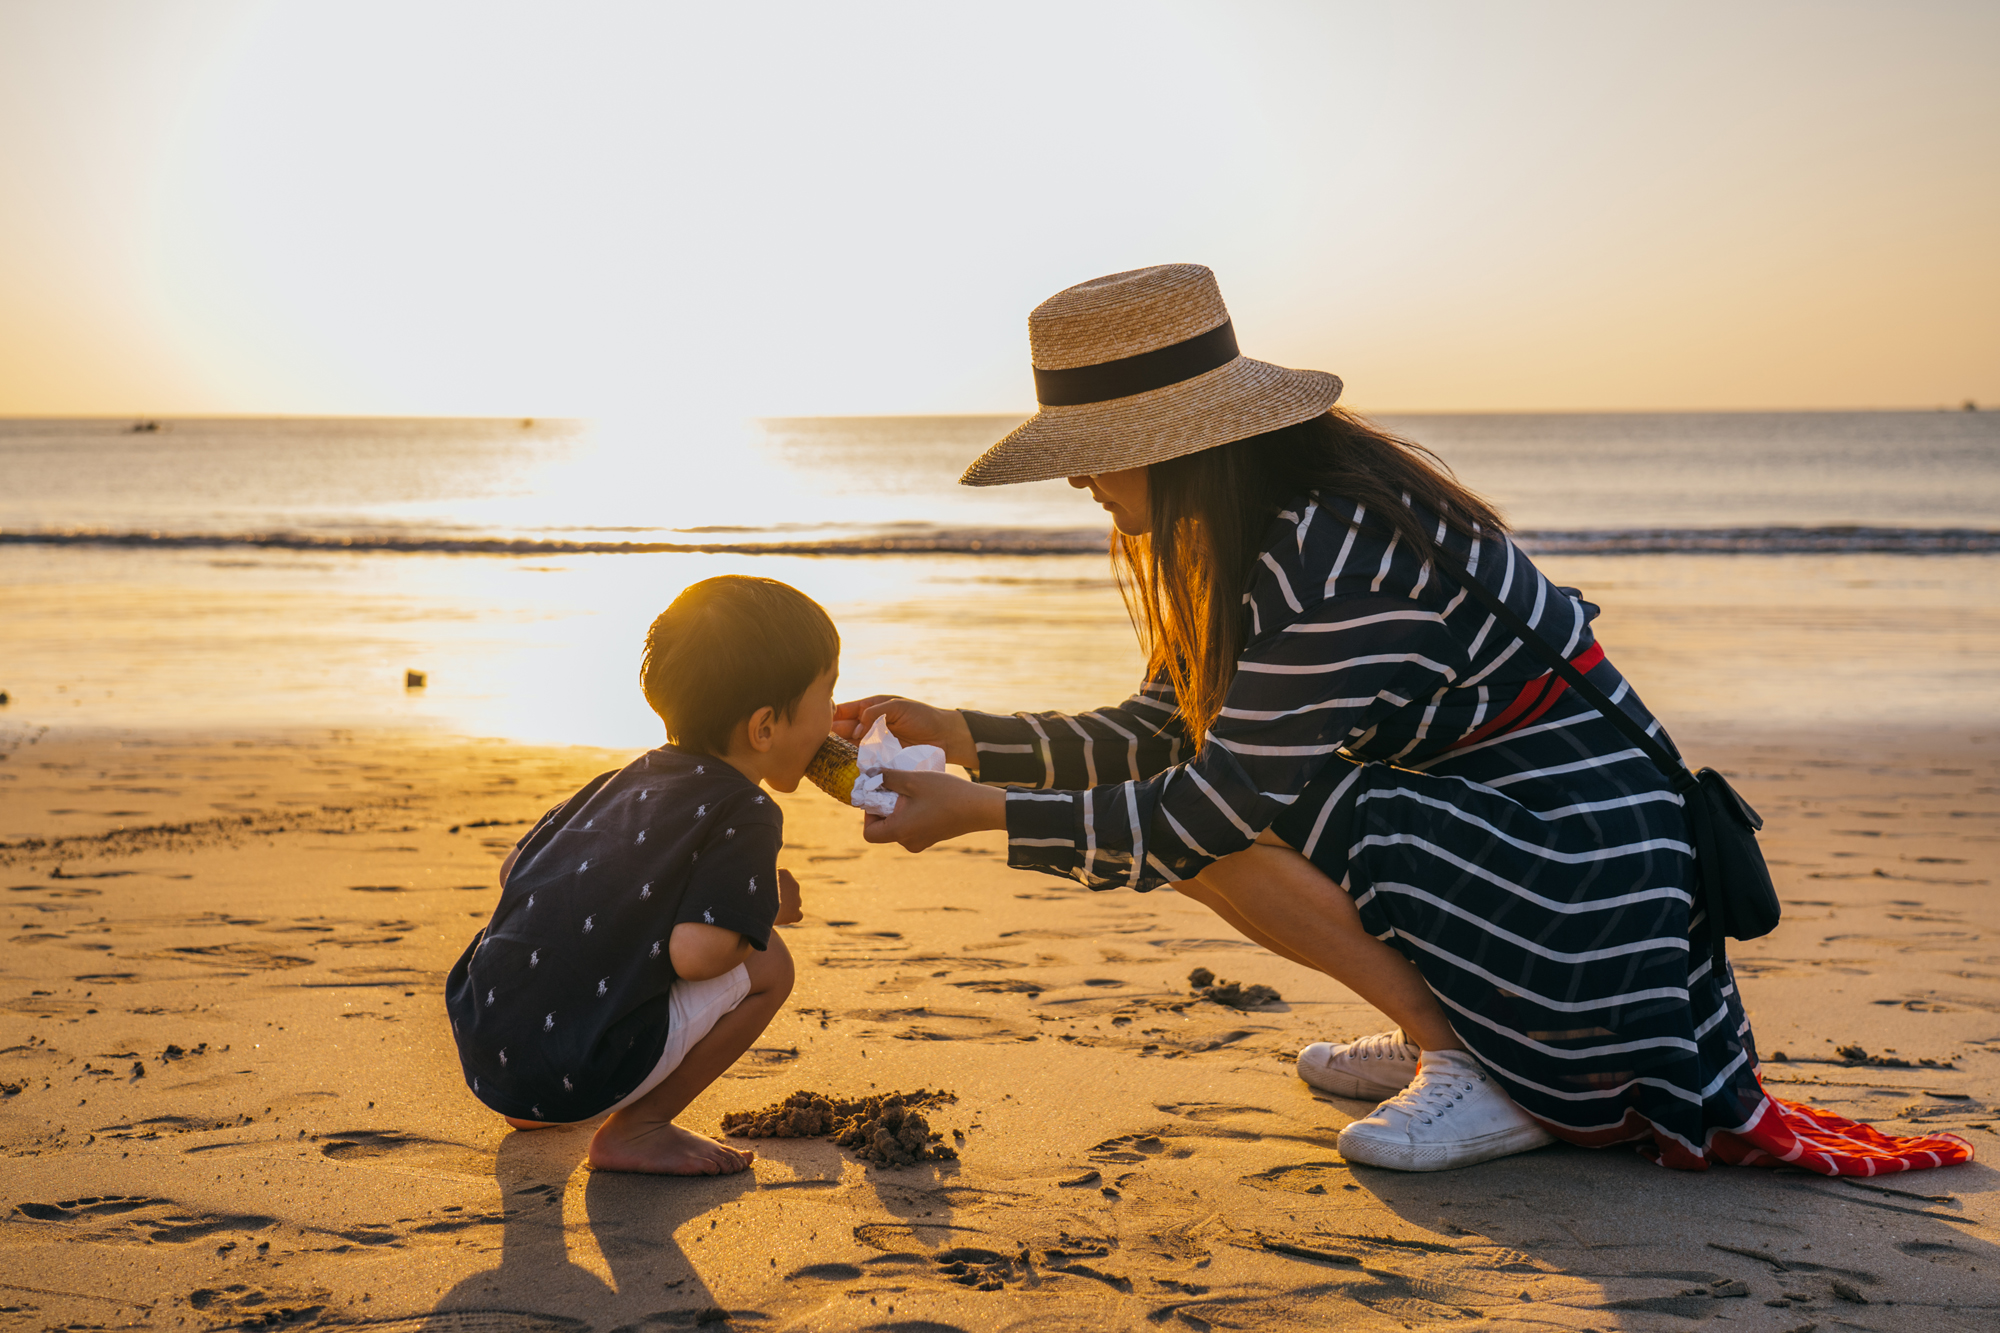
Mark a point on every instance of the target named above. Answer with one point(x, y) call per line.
point(231, 1098)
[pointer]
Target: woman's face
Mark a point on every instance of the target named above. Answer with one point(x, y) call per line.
point(1124, 496)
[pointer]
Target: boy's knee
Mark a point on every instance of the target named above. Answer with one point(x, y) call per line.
point(771, 971)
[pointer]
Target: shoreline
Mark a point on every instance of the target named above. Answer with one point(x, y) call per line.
point(237, 1103)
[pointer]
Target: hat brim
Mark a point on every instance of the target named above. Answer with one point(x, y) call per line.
point(1231, 402)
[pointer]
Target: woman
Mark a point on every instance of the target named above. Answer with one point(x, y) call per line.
point(1341, 754)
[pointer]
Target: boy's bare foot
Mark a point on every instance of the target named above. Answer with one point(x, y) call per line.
point(529, 1124)
point(663, 1149)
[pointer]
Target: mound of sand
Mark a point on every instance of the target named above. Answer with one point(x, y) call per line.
point(888, 1129)
point(1234, 994)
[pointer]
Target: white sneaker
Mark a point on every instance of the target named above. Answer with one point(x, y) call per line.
point(1451, 1115)
point(1366, 1069)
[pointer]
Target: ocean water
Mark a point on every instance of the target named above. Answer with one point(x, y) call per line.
point(1780, 569)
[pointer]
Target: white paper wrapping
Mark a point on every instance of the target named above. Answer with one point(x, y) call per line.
point(881, 750)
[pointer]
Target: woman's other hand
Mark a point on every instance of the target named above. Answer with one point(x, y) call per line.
point(931, 807)
point(790, 909)
point(912, 723)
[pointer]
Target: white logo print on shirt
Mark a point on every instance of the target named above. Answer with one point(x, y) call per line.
point(708, 916)
point(700, 810)
point(602, 984)
point(489, 999)
point(589, 924)
point(642, 835)
point(548, 1022)
point(729, 833)
point(534, 958)
point(753, 884)
point(656, 950)
point(503, 1057)
point(645, 890)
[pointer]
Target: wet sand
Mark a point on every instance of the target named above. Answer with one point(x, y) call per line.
point(228, 1096)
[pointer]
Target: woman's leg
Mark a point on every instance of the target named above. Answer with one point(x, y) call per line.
point(1273, 894)
point(1206, 895)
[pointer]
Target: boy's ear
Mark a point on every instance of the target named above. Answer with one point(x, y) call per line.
point(762, 729)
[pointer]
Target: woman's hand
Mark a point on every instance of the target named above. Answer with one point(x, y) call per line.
point(912, 723)
point(790, 911)
point(931, 807)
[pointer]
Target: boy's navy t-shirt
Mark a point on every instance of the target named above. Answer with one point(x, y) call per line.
point(559, 1006)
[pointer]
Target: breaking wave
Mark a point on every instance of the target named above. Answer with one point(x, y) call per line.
point(1833, 540)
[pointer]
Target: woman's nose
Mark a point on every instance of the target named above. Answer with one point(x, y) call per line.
point(1081, 483)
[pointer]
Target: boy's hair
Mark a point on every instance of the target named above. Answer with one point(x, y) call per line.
point(729, 646)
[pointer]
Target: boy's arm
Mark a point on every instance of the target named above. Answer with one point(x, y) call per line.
point(700, 951)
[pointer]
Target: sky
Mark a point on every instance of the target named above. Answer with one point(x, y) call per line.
point(633, 211)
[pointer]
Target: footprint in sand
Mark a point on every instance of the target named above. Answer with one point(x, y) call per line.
point(939, 1024)
point(260, 1307)
point(362, 1146)
point(1302, 1178)
point(956, 963)
point(138, 1220)
point(256, 957)
point(1030, 988)
point(1130, 1148)
point(1210, 1110)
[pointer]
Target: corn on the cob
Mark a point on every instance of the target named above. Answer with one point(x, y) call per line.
point(834, 769)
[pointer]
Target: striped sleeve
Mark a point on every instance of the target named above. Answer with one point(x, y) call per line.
point(1135, 739)
point(1301, 692)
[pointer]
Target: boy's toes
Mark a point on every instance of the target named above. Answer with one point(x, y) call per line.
point(665, 1150)
point(725, 1159)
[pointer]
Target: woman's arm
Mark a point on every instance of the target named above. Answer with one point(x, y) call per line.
point(1300, 693)
point(1135, 739)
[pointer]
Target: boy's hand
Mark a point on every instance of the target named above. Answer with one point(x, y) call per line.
point(789, 910)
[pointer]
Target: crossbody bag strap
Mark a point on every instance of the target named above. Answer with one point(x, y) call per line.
point(1669, 762)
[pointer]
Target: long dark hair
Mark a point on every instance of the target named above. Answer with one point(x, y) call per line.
point(1183, 582)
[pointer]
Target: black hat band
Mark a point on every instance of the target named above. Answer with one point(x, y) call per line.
point(1128, 375)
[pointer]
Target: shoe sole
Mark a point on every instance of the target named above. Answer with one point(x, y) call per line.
point(1441, 1156)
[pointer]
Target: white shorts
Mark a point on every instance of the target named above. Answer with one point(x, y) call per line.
point(693, 1009)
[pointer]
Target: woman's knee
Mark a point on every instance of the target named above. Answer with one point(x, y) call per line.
point(1261, 875)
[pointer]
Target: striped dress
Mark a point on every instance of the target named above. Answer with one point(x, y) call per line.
point(1494, 828)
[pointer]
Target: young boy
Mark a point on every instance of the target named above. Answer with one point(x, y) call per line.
point(631, 959)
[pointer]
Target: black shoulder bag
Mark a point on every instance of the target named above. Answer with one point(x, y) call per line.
point(1730, 874)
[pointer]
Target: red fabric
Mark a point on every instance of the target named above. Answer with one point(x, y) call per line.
point(1786, 1133)
point(1783, 1133)
point(1537, 695)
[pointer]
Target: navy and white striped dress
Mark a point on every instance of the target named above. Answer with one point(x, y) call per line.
point(1488, 824)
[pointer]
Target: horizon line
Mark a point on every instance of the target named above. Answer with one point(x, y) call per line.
point(1965, 406)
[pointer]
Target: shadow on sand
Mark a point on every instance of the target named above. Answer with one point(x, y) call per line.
point(632, 1221)
point(1695, 1245)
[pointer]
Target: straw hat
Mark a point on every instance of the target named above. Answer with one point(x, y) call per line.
point(1140, 367)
